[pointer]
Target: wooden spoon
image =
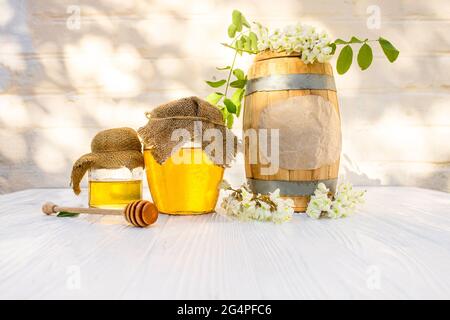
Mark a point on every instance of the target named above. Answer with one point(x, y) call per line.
point(141, 213)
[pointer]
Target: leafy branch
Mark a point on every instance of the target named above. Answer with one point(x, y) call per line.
point(365, 54)
point(243, 40)
point(312, 46)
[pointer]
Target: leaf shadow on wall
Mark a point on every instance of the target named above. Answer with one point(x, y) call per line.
point(63, 80)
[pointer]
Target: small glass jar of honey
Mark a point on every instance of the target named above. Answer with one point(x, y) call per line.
point(114, 188)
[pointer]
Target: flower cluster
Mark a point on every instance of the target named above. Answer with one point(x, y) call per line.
point(313, 45)
point(343, 204)
point(245, 205)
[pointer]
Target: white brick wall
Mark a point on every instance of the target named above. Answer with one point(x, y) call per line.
point(59, 86)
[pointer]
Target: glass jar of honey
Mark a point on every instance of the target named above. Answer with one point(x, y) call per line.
point(114, 188)
point(186, 183)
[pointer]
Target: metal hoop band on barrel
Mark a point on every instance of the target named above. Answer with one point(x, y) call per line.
point(302, 81)
point(290, 188)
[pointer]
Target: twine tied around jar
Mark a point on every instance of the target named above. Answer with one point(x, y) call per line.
point(183, 114)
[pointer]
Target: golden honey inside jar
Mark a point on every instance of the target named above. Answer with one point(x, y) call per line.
point(186, 183)
point(114, 188)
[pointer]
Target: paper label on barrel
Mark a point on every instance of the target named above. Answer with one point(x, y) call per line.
point(309, 131)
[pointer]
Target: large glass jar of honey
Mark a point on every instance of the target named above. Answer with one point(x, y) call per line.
point(114, 188)
point(186, 183)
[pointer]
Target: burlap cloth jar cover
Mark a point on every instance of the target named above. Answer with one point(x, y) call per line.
point(111, 149)
point(184, 114)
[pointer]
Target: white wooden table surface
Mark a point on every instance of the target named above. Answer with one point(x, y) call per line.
point(397, 246)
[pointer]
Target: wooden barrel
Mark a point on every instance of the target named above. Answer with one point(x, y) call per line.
point(274, 77)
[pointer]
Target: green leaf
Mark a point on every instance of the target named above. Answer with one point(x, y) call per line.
point(224, 112)
point(333, 48)
point(244, 21)
point(237, 20)
point(223, 68)
point(355, 40)
point(216, 84)
point(344, 60)
point(389, 50)
point(214, 98)
point(232, 30)
point(247, 43)
point(238, 84)
point(230, 121)
point(237, 97)
point(253, 41)
point(238, 73)
point(240, 45)
point(340, 41)
point(64, 214)
point(365, 56)
point(231, 107)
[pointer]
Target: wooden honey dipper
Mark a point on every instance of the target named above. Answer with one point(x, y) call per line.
point(140, 213)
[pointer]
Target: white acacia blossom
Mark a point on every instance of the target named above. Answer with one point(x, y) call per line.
point(343, 204)
point(313, 45)
point(245, 205)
